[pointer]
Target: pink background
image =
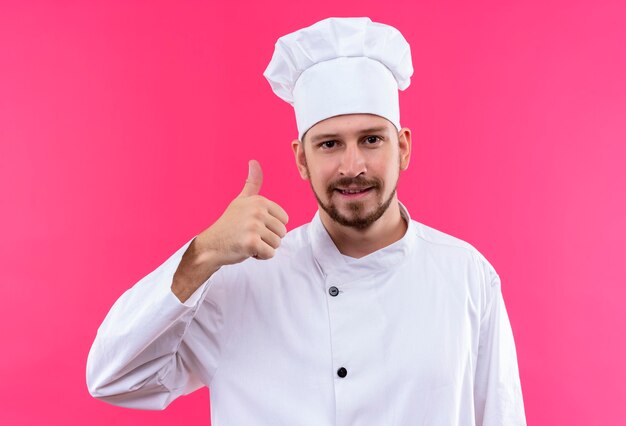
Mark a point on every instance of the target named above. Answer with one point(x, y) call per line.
point(125, 129)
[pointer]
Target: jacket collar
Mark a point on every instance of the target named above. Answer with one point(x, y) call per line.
point(332, 262)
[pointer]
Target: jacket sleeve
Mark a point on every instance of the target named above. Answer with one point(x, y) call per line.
point(497, 389)
point(151, 348)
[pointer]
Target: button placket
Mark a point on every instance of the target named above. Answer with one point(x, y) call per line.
point(337, 311)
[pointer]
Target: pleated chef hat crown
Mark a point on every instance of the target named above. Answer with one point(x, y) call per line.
point(341, 66)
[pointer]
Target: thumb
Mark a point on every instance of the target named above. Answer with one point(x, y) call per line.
point(254, 181)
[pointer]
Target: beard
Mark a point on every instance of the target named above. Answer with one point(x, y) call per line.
point(357, 218)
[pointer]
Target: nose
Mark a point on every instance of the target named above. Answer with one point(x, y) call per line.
point(352, 162)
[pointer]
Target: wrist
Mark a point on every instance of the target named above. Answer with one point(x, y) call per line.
point(194, 269)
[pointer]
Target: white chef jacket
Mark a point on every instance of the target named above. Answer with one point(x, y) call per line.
point(419, 327)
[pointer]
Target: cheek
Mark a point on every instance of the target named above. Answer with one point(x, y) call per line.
point(320, 170)
point(388, 164)
point(317, 179)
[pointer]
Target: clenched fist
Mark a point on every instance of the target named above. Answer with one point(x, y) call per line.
point(251, 226)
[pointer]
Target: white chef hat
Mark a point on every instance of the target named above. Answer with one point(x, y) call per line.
point(341, 66)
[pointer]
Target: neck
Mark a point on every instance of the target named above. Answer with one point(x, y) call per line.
point(353, 242)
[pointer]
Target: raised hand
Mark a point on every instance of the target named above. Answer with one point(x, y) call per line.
point(251, 226)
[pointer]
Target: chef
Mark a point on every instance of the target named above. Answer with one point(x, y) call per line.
point(361, 317)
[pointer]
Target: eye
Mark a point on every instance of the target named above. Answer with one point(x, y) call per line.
point(328, 144)
point(372, 140)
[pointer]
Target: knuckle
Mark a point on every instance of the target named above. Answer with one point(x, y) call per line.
point(249, 242)
point(257, 212)
point(253, 227)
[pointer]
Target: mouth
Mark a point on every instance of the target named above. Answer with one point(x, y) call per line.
point(354, 192)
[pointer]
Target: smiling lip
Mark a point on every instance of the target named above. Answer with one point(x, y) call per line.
point(353, 192)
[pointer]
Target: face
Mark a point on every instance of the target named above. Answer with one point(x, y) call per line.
point(353, 163)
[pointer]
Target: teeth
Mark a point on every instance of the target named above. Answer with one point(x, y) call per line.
point(352, 191)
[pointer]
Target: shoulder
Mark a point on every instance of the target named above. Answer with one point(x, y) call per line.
point(454, 248)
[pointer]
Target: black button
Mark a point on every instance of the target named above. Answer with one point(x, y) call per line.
point(333, 291)
point(342, 372)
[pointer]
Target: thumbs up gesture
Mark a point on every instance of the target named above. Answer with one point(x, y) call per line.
point(251, 226)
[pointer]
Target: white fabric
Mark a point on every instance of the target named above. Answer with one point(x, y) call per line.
point(420, 326)
point(341, 66)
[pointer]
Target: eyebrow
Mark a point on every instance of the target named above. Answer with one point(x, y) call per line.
point(360, 132)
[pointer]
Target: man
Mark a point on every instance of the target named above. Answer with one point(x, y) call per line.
point(361, 317)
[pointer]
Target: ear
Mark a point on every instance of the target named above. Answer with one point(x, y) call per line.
point(404, 139)
point(298, 152)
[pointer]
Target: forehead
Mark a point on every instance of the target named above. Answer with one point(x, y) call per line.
point(347, 125)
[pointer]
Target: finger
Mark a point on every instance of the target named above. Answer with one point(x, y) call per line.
point(254, 180)
point(275, 225)
point(263, 251)
point(277, 211)
point(270, 238)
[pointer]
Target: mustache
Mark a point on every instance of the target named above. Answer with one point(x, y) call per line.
point(360, 181)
